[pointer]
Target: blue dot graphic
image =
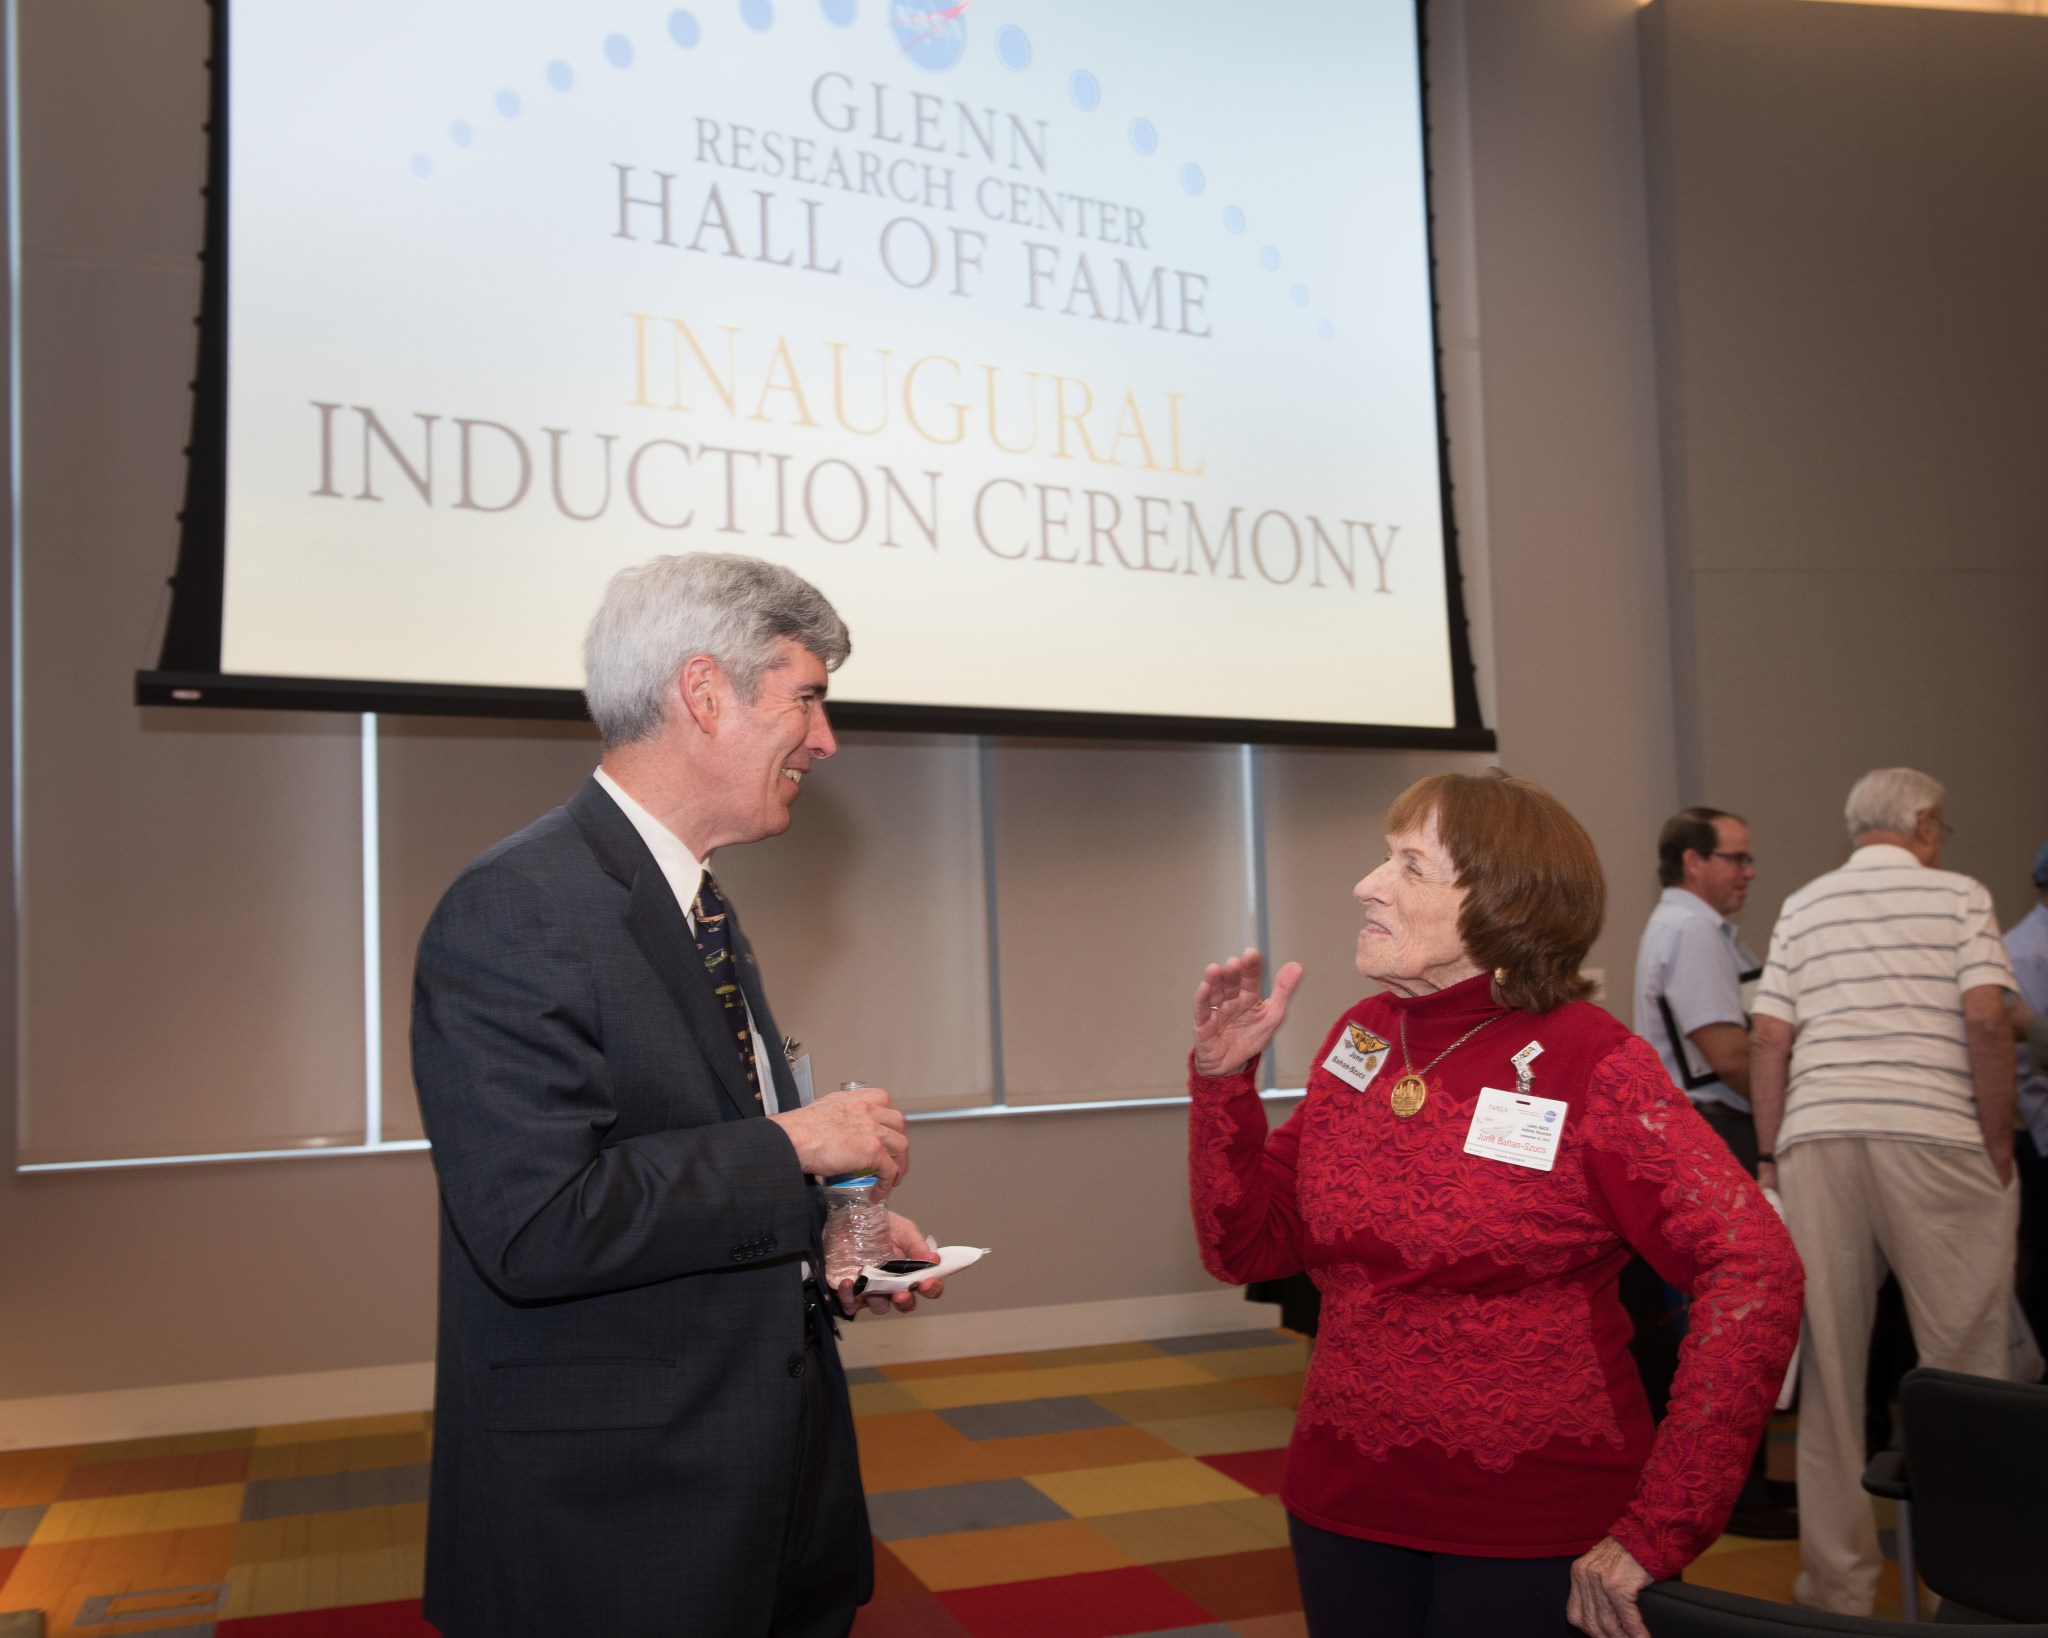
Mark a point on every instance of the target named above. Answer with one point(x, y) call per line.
point(1325, 329)
point(1143, 138)
point(618, 51)
point(683, 29)
point(1269, 258)
point(1087, 94)
point(1299, 295)
point(839, 13)
point(560, 75)
point(758, 15)
point(1192, 180)
point(509, 104)
point(1233, 219)
point(1013, 47)
point(422, 165)
point(461, 133)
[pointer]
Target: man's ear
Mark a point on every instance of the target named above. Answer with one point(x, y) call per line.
point(701, 688)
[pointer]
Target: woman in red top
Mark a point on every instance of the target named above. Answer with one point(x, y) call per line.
point(1478, 1151)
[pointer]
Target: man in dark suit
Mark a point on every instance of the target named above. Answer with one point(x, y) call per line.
point(641, 1422)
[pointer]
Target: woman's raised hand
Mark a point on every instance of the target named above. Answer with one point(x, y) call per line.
point(1232, 1023)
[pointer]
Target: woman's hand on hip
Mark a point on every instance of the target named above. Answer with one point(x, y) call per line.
point(1233, 1024)
point(1604, 1587)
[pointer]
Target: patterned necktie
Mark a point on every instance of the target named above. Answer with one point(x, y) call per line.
point(714, 942)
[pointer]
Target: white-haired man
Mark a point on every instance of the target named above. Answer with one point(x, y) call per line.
point(641, 1424)
point(1881, 1071)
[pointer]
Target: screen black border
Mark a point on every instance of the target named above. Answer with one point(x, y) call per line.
point(188, 675)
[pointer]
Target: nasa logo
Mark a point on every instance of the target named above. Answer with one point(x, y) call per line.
point(933, 37)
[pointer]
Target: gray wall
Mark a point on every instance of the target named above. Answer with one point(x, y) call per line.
point(192, 885)
point(1849, 248)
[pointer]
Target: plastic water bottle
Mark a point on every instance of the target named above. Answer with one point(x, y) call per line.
point(856, 1221)
point(856, 1227)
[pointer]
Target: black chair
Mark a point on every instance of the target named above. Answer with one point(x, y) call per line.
point(1671, 1609)
point(1972, 1489)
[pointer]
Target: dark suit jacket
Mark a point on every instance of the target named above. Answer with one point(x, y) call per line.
point(618, 1390)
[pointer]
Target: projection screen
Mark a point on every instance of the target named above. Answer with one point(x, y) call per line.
point(1083, 355)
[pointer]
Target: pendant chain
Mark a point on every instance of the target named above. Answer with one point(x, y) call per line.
point(1407, 1069)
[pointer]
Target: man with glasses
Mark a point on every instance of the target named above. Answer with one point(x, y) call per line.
point(1692, 966)
point(1693, 974)
point(1881, 1071)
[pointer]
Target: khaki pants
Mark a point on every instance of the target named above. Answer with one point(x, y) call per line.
point(1938, 1217)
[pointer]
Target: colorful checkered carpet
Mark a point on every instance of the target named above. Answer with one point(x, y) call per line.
point(1076, 1493)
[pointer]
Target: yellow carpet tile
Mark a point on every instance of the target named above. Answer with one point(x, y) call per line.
point(1101, 1353)
point(1268, 1428)
point(1242, 1362)
point(1017, 1552)
point(1208, 1530)
point(976, 1365)
point(1138, 1487)
point(379, 1575)
point(1190, 1399)
point(356, 1427)
point(57, 1578)
point(341, 1455)
point(317, 1535)
point(153, 1511)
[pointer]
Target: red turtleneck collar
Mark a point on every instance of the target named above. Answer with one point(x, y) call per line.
point(1465, 1002)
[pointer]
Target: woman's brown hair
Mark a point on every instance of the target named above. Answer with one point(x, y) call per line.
point(1534, 894)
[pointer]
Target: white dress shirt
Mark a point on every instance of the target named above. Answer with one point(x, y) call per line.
point(680, 866)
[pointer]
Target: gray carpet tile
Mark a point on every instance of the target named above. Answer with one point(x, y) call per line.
point(944, 1510)
point(1216, 1629)
point(334, 1492)
point(1217, 1342)
point(1023, 1417)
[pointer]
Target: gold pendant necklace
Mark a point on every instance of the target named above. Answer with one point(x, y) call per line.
point(1411, 1091)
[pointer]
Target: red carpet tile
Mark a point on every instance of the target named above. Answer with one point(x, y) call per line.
point(92, 1480)
point(1100, 1604)
point(401, 1620)
point(1238, 1585)
point(920, 1615)
point(9, 1557)
point(1254, 1469)
point(892, 1576)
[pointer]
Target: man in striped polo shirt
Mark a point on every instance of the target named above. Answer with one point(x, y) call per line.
point(1884, 998)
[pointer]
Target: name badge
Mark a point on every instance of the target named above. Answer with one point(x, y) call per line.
point(1522, 1130)
point(1356, 1057)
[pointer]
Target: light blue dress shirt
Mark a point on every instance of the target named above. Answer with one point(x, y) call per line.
point(2027, 945)
point(1692, 962)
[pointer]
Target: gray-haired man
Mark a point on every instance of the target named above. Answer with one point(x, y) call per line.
point(1882, 1077)
point(641, 1421)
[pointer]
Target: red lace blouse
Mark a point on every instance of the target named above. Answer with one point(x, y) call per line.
point(1472, 1389)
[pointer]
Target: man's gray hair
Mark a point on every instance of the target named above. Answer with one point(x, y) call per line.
point(1891, 799)
point(659, 615)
